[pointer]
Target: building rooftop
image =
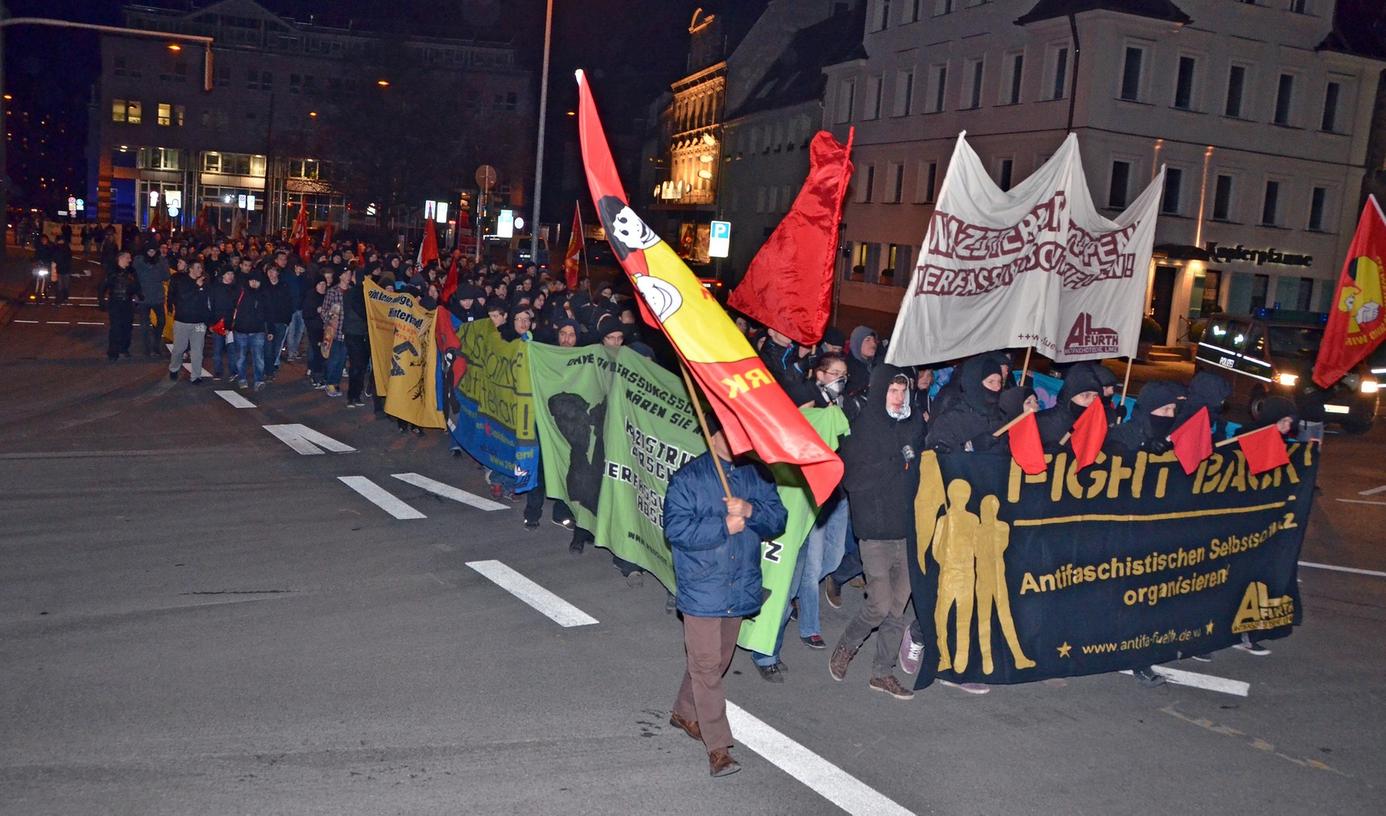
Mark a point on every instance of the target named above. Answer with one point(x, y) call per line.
point(797, 74)
point(1154, 9)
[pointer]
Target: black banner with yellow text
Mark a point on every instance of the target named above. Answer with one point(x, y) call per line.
point(1128, 562)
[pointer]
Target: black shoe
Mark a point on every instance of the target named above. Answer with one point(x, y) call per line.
point(771, 674)
point(575, 548)
point(531, 524)
point(197, 381)
point(1146, 676)
point(173, 376)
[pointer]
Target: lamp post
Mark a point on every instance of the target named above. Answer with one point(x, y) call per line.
point(539, 151)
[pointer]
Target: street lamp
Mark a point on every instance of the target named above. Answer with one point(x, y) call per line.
point(384, 83)
point(175, 47)
point(539, 151)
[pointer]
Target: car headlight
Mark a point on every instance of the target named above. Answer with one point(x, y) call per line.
point(1370, 386)
point(1287, 379)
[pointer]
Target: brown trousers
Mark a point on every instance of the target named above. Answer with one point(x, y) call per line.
point(709, 644)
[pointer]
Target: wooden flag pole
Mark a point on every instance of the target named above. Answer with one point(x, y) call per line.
point(1025, 368)
point(702, 425)
point(1011, 424)
point(1126, 381)
point(1229, 440)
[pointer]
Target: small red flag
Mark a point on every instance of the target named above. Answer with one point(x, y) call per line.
point(1357, 315)
point(428, 247)
point(571, 257)
point(1026, 448)
point(789, 284)
point(450, 285)
point(327, 232)
point(1193, 441)
point(299, 235)
point(1264, 449)
point(1089, 432)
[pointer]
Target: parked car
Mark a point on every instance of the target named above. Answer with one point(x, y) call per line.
point(1272, 352)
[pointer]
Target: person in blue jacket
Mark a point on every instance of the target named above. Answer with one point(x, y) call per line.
point(716, 548)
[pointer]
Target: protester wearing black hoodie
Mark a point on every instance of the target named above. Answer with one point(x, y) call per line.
point(1151, 422)
point(279, 301)
point(881, 476)
point(1081, 387)
point(1207, 390)
point(189, 300)
point(224, 293)
point(863, 348)
point(967, 423)
point(251, 324)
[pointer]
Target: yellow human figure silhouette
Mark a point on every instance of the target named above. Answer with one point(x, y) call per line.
point(954, 543)
point(992, 540)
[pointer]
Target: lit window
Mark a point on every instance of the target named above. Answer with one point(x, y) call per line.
point(165, 117)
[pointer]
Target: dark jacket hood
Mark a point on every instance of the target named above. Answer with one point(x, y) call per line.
point(971, 374)
point(859, 334)
point(1012, 401)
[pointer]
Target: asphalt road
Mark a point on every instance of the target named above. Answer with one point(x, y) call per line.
point(194, 618)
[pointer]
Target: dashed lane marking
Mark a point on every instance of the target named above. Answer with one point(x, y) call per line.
point(57, 322)
point(236, 400)
point(25, 321)
point(1363, 501)
point(1335, 568)
point(306, 441)
point(1207, 682)
point(447, 491)
point(820, 775)
point(546, 603)
point(88, 323)
point(1372, 491)
point(381, 497)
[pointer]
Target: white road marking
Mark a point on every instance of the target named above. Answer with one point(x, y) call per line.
point(236, 400)
point(1207, 682)
point(821, 776)
point(1335, 568)
point(57, 322)
point(187, 366)
point(447, 491)
point(1373, 491)
point(81, 297)
point(25, 321)
point(381, 497)
point(550, 605)
point(1363, 501)
point(307, 441)
point(88, 323)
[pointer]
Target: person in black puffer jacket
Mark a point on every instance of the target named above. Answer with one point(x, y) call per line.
point(279, 299)
point(1151, 421)
point(968, 421)
point(250, 324)
point(881, 476)
point(358, 346)
point(190, 303)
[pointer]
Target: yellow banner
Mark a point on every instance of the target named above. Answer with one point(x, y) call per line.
point(403, 355)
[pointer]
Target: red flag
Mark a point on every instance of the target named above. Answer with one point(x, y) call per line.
point(1089, 432)
point(571, 257)
point(755, 411)
point(428, 248)
point(1193, 440)
point(1026, 448)
point(1264, 449)
point(789, 284)
point(298, 236)
point(450, 285)
point(327, 232)
point(1357, 320)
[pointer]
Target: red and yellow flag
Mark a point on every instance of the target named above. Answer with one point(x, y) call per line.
point(571, 257)
point(1357, 315)
point(755, 412)
point(298, 236)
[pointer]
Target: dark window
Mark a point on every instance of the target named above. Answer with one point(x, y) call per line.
point(1183, 84)
point(1284, 94)
point(976, 100)
point(1316, 202)
point(1121, 180)
point(1329, 121)
point(938, 91)
point(1222, 198)
point(1271, 203)
point(1260, 284)
point(1060, 74)
point(1007, 166)
point(1131, 74)
point(1305, 294)
point(1236, 80)
point(930, 182)
point(1017, 71)
point(1169, 204)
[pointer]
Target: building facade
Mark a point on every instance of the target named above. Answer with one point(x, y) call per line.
point(1261, 121)
point(249, 152)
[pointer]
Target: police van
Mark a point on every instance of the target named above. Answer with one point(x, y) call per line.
point(1271, 353)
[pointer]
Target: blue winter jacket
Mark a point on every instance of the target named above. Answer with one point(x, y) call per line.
point(718, 574)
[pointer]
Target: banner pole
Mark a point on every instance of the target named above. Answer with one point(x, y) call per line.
point(1125, 384)
point(1025, 368)
point(999, 431)
point(702, 425)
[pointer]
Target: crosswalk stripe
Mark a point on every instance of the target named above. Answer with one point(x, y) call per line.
point(236, 400)
point(447, 491)
point(1207, 682)
point(307, 441)
point(187, 366)
point(381, 497)
point(821, 776)
point(541, 600)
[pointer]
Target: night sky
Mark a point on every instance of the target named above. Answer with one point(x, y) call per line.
point(51, 72)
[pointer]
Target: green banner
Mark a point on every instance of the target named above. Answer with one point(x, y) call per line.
point(612, 431)
point(777, 557)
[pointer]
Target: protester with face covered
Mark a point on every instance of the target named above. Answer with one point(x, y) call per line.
point(1206, 390)
point(1151, 422)
point(1081, 388)
point(967, 423)
point(880, 477)
point(1016, 401)
point(1109, 383)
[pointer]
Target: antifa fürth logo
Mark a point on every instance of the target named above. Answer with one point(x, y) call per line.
point(1085, 338)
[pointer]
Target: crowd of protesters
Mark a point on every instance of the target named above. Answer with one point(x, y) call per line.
point(260, 304)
